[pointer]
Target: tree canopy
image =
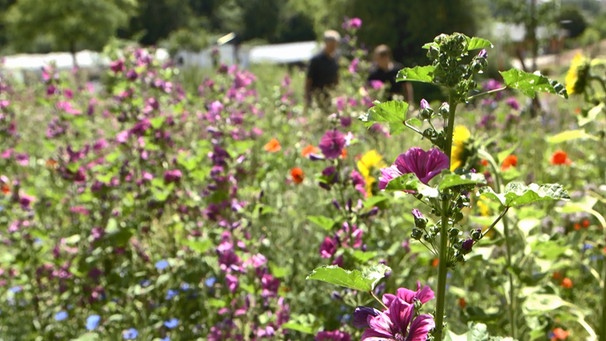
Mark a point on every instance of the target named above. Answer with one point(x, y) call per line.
point(65, 24)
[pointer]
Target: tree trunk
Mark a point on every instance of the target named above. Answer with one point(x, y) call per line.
point(72, 50)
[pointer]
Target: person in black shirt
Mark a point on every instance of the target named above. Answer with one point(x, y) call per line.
point(385, 70)
point(323, 72)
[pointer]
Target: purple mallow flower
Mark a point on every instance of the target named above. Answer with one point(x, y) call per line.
point(424, 164)
point(332, 144)
point(399, 323)
point(362, 315)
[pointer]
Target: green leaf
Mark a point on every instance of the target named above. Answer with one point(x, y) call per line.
point(322, 221)
point(410, 182)
point(453, 180)
point(362, 256)
point(592, 114)
point(200, 246)
point(87, 337)
point(364, 280)
point(542, 303)
point(505, 153)
point(476, 43)
point(414, 122)
point(422, 74)
point(299, 327)
point(518, 194)
point(531, 83)
point(570, 135)
point(392, 113)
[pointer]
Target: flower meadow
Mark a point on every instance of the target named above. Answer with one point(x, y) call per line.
point(145, 208)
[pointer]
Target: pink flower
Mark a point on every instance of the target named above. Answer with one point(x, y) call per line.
point(332, 144)
point(399, 323)
point(424, 164)
point(333, 335)
point(352, 24)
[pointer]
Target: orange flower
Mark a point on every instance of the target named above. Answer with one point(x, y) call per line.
point(557, 276)
point(310, 149)
point(566, 283)
point(297, 175)
point(5, 189)
point(559, 158)
point(585, 223)
point(343, 153)
point(435, 262)
point(51, 164)
point(510, 161)
point(273, 146)
point(559, 334)
point(462, 303)
point(484, 162)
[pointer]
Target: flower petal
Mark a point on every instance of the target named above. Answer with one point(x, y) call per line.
point(420, 327)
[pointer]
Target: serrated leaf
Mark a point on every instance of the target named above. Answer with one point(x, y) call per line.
point(362, 256)
point(530, 83)
point(475, 43)
point(392, 112)
point(518, 194)
point(422, 74)
point(364, 280)
point(322, 221)
point(570, 135)
point(453, 180)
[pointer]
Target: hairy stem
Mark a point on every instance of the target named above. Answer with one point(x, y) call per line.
point(443, 251)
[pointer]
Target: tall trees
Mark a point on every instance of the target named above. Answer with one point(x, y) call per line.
point(66, 24)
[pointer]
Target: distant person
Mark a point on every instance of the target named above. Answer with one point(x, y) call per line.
point(385, 70)
point(323, 72)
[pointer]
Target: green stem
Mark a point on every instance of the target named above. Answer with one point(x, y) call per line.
point(512, 293)
point(443, 251)
point(486, 93)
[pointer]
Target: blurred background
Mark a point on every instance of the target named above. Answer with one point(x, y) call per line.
point(194, 32)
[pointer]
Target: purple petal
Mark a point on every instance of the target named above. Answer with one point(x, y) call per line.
point(388, 298)
point(362, 315)
point(407, 295)
point(425, 295)
point(388, 174)
point(400, 313)
point(420, 328)
point(380, 327)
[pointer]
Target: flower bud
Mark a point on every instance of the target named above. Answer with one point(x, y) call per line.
point(420, 220)
point(416, 234)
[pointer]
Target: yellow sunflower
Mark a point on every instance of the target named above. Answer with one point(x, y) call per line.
point(457, 155)
point(576, 77)
point(370, 161)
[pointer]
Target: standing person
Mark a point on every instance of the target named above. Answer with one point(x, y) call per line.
point(385, 70)
point(323, 72)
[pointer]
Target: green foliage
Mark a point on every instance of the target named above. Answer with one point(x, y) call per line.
point(392, 112)
point(531, 83)
point(518, 194)
point(364, 280)
point(66, 24)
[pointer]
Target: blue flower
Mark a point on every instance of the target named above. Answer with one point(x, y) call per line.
point(165, 339)
point(171, 294)
point(15, 289)
point(92, 322)
point(162, 264)
point(184, 286)
point(130, 334)
point(60, 316)
point(172, 323)
point(210, 281)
